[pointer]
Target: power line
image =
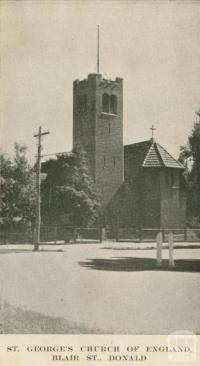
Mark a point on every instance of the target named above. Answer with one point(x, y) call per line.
point(38, 214)
point(57, 153)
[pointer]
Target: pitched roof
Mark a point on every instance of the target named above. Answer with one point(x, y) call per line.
point(167, 159)
point(152, 155)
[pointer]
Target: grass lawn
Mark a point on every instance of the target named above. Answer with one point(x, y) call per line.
point(17, 321)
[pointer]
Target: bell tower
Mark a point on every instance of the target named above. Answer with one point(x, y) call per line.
point(98, 130)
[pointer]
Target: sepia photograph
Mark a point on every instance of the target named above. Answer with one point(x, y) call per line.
point(100, 168)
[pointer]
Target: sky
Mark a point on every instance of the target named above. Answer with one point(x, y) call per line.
point(45, 45)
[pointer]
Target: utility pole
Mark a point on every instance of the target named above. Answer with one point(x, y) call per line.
point(38, 215)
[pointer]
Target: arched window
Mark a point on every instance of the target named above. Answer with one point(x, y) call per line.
point(172, 177)
point(166, 177)
point(105, 103)
point(82, 103)
point(104, 161)
point(113, 104)
point(109, 103)
point(169, 177)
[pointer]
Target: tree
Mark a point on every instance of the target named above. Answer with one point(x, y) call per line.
point(17, 190)
point(68, 194)
point(190, 156)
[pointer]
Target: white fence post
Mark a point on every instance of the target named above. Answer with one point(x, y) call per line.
point(159, 249)
point(171, 250)
point(102, 234)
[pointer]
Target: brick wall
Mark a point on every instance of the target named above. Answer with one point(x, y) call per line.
point(172, 202)
point(147, 201)
point(84, 119)
point(123, 210)
point(100, 134)
point(150, 198)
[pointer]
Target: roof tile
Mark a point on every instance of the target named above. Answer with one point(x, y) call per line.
point(157, 156)
point(150, 154)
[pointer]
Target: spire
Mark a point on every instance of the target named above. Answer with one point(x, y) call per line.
point(98, 49)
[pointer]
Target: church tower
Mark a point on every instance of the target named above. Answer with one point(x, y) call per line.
point(98, 131)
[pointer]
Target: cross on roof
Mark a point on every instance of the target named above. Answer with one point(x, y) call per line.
point(152, 128)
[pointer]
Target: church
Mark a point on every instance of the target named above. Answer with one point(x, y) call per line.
point(140, 185)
